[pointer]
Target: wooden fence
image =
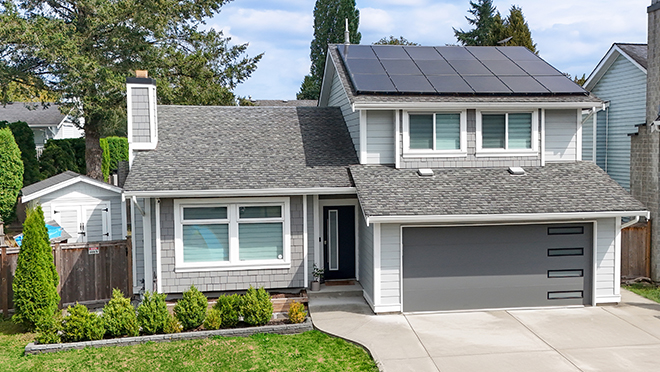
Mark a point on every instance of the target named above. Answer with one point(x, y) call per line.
point(88, 271)
point(636, 251)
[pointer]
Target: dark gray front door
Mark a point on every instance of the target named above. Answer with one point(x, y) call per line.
point(339, 242)
point(455, 268)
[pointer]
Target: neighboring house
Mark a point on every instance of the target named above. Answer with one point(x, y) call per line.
point(87, 209)
point(439, 178)
point(46, 123)
point(619, 80)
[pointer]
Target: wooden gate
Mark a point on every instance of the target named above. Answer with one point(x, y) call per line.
point(636, 251)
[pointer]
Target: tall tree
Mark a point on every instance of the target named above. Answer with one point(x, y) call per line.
point(84, 50)
point(517, 28)
point(11, 175)
point(394, 41)
point(24, 137)
point(484, 23)
point(329, 27)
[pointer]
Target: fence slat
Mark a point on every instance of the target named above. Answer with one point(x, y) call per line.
point(636, 251)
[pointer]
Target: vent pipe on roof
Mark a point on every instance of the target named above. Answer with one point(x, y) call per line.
point(347, 35)
point(424, 172)
point(516, 171)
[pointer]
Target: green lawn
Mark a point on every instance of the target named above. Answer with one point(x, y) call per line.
point(310, 351)
point(650, 291)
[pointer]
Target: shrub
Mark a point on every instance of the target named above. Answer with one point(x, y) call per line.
point(152, 313)
point(229, 307)
point(256, 307)
point(191, 309)
point(81, 325)
point(119, 316)
point(49, 329)
point(172, 325)
point(11, 175)
point(213, 319)
point(35, 279)
point(297, 313)
point(62, 155)
point(24, 137)
point(115, 149)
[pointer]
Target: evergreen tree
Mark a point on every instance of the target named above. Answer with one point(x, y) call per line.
point(36, 279)
point(485, 22)
point(394, 41)
point(11, 175)
point(329, 27)
point(24, 137)
point(517, 28)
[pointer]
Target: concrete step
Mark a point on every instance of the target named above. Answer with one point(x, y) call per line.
point(339, 291)
point(354, 304)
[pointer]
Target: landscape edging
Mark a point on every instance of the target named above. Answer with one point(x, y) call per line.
point(282, 329)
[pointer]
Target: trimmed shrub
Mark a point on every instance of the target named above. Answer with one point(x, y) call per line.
point(191, 309)
point(11, 175)
point(49, 329)
point(297, 313)
point(105, 158)
point(229, 307)
point(62, 155)
point(172, 325)
point(119, 316)
point(152, 313)
point(213, 319)
point(256, 307)
point(24, 137)
point(115, 149)
point(81, 325)
point(35, 279)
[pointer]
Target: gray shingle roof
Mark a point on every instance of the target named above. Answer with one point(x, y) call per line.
point(35, 115)
point(555, 188)
point(225, 148)
point(637, 52)
point(284, 102)
point(48, 182)
point(354, 97)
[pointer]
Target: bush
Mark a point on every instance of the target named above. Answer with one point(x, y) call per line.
point(24, 137)
point(49, 329)
point(191, 309)
point(229, 307)
point(213, 319)
point(115, 149)
point(297, 313)
point(11, 175)
point(152, 313)
point(81, 325)
point(119, 316)
point(35, 279)
point(62, 155)
point(172, 325)
point(256, 307)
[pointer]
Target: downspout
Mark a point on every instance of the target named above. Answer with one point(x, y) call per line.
point(159, 263)
point(607, 132)
point(630, 223)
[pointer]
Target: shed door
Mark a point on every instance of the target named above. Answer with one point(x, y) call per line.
point(456, 268)
point(85, 223)
point(69, 218)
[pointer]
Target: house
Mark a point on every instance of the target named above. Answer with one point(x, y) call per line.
point(46, 122)
point(619, 80)
point(87, 209)
point(440, 178)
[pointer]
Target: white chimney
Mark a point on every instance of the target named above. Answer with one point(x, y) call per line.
point(141, 113)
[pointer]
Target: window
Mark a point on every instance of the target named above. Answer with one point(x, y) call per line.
point(221, 234)
point(507, 133)
point(441, 134)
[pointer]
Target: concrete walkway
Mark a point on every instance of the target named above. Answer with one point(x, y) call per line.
point(625, 337)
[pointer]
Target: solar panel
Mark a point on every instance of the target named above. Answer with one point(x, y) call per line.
point(560, 84)
point(356, 51)
point(504, 67)
point(385, 52)
point(538, 67)
point(468, 67)
point(438, 67)
point(412, 84)
point(454, 53)
point(450, 84)
point(518, 53)
point(523, 84)
point(365, 66)
point(373, 83)
point(486, 53)
point(400, 67)
point(487, 84)
point(418, 53)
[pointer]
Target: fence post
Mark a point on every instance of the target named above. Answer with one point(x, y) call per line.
point(129, 254)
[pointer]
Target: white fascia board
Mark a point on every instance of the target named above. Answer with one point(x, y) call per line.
point(243, 192)
point(61, 185)
point(522, 217)
point(604, 65)
point(326, 83)
point(470, 105)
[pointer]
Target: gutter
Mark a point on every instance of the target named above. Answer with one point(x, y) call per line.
point(472, 105)
point(242, 192)
point(630, 223)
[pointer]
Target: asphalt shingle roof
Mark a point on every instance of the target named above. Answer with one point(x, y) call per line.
point(555, 188)
point(225, 148)
point(284, 102)
point(32, 113)
point(637, 52)
point(48, 182)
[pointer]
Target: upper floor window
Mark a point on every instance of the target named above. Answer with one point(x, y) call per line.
point(440, 133)
point(507, 133)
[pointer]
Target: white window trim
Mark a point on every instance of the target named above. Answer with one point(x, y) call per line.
point(233, 220)
point(534, 151)
point(412, 153)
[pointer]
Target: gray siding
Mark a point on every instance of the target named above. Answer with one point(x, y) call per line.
point(587, 139)
point(380, 137)
point(390, 264)
point(310, 237)
point(607, 282)
point(471, 160)
point(339, 99)
point(138, 232)
point(560, 135)
point(140, 115)
point(366, 255)
point(624, 85)
point(212, 281)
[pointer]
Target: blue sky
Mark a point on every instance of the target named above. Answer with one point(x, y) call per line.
point(571, 35)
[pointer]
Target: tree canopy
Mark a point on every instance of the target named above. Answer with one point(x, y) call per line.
point(329, 27)
point(82, 51)
point(11, 176)
point(394, 41)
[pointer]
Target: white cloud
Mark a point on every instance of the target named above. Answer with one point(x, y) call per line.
point(375, 21)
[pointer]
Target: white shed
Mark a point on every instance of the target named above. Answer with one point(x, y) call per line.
point(88, 209)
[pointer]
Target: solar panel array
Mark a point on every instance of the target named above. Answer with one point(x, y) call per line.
point(452, 70)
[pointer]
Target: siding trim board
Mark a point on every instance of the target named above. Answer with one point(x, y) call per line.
point(504, 218)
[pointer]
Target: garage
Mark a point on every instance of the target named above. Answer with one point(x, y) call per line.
point(489, 267)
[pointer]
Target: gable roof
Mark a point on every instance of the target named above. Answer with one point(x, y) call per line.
point(580, 187)
point(285, 102)
point(32, 113)
point(210, 150)
point(60, 181)
point(635, 53)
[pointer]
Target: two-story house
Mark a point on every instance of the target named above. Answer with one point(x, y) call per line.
point(439, 178)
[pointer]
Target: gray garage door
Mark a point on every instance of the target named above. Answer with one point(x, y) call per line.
point(455, 268)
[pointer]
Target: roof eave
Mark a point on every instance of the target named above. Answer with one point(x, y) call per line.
point(472, 105)
point(605, 63)
point(241, 192)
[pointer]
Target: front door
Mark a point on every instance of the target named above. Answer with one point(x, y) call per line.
point(339, 242)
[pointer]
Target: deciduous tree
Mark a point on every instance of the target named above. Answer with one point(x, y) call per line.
point(394, 41)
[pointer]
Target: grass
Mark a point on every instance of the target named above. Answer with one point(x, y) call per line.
point(309, 351)
point(650, 291)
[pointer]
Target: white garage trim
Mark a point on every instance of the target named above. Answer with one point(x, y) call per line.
point(492, 219)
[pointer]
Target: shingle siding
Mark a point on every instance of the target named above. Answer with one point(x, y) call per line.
point(140, 114)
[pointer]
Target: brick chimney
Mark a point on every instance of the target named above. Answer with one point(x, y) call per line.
point(141, 113)
point(645, 144)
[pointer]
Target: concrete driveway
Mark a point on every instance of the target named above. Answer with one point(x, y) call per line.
point(625, 337)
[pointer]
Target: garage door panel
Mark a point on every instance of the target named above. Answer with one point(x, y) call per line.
point(495, 266)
